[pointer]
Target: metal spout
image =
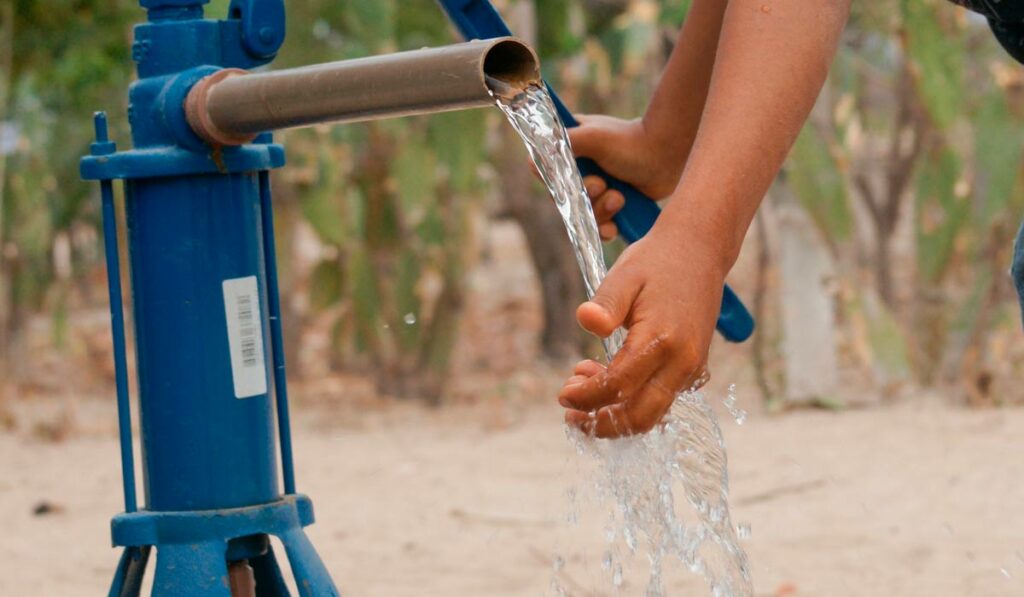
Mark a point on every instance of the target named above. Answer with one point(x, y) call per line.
point(232, 106)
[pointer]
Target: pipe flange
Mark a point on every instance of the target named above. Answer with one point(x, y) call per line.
point(198, 115)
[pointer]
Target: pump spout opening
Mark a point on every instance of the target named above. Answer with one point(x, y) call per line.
point(230, 107)
point(510, 67)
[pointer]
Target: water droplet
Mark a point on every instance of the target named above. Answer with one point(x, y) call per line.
point(627, 534)
point(617, 576)
point(609, 533)
point(738, 414)
point(1005, 572)
point(410, 318)
point(607, 561)
point(743, 530)
point(558, 563)
point(558, 589)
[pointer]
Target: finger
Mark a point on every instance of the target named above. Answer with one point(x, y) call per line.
point(607, 423)
point(611, 304)
point(607, 205)
point(595, 186)
point(631, 368)
point(587, 139)
point(588, 367)
point(648, 407)
point(608, 231)
point(700, 379)
point(574, 380)
point(637, 415)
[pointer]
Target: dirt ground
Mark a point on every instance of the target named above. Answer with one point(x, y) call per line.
point(906, 499)
point(903, 501)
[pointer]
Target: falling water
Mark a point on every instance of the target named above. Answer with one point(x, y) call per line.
point(637, 476)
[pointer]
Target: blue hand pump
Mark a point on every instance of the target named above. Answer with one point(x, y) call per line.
point(207, 323)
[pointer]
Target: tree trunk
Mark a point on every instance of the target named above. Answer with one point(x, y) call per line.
point(552, 256)
point(6, 300)
point(808, 312)
point(553, 260)
point(759, 356)
point(883, 267)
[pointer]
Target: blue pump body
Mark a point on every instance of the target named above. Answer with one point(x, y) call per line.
point(478, 19)
point(198, 217)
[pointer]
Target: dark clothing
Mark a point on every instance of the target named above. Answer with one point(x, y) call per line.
point(1017, 269)
point(1004, 10)
point(1006, 18)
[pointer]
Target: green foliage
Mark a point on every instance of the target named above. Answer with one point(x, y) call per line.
point(937, 51)
point(964, 175)
point(819, 184)
point(69, 58)
point(555, 36)
point(998, 148)
point(392, 199)
point(942, 213)
point(391, 203)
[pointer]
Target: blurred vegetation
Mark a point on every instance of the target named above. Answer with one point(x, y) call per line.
point(910, 168)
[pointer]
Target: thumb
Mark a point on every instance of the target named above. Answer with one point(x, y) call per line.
point(589, 139)
point(610, 306)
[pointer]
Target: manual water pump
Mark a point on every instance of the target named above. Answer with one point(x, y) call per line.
point(205, 304)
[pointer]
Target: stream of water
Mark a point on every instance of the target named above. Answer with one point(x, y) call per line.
point(637, 477)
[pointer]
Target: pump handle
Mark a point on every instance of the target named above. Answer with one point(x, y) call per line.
point(478, 19)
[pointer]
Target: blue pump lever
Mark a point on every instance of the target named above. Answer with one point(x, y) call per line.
point(477, 19)
point(263, 25)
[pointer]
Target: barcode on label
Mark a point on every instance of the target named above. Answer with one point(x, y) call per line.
point(245, 336)
point(246, 330)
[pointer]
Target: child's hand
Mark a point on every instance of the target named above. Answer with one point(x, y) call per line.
point(627, 151)
point(734, 96)
point(666, 289)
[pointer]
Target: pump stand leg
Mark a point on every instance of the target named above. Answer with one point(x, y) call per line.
point(311, 576)
point(241, 579)
point(193, 569)
point(130, 570)
point(269, 580)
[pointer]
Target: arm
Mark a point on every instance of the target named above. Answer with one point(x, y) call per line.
point(772, 58)
point(674, 112)
point(772, 61)
point(658, 144)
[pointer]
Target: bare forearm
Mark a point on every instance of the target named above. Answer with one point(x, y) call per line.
point(673, 115)
point(771, 62)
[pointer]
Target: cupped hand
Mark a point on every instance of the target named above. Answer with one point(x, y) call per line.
point(666, 289)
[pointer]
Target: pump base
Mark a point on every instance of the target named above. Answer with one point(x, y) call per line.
point(193, 550)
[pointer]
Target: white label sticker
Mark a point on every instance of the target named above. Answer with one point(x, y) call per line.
point(245, 336)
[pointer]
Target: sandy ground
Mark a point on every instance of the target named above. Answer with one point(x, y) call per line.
point(898, 501)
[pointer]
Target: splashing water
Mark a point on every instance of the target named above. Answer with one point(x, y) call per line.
point(638, 475)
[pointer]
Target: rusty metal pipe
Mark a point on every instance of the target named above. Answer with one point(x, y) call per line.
point(232, 106)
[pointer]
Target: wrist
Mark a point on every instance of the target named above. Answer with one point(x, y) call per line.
point(709, 228)
point(666, 153)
